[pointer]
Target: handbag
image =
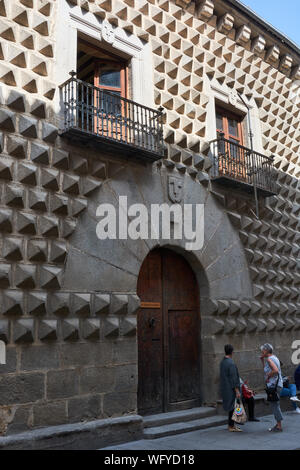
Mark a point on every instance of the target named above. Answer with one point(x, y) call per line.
point(286, 382)
point(239, 414)
point(246, 392)
point(272, 394)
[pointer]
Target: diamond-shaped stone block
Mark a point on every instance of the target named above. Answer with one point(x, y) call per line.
point(59, 204)
point(68, 227)
point(49, 226)
point(110, 327)
point(37, 250)
point(26, 223)
point(128, 327)
point(101, 303)
point(118, 304)
point(50, 277)
point(5, 274)
point(23, 331)
point(39, 109)
point(59, 303)
point(14, 196)
point(133, 304)
point(16, 146)
point(6, 216)
point(36, 303)
point(39, 153)
point(28, 126)
point(91, 328)
point(47, 330)
point(58, 252)
point(25, 276)
point(49, 132)
point(7, 120)
point(12, 303)
point(12, 249)
point(50, 179)
point(81, 304)
point(70, 329)
point(16, 101)
point(60, 159)
point(38, 200)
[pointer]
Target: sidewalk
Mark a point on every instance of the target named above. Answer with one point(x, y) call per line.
point(254, 437)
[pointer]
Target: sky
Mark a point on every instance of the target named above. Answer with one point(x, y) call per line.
point(283, 15)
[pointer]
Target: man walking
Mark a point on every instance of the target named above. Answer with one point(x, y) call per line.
point(230, 386)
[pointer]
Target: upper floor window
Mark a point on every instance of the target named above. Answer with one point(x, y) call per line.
point(230, 125)
point(96, 104)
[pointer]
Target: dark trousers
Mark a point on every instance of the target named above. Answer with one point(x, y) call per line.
point(230, 422)
point(250, 403)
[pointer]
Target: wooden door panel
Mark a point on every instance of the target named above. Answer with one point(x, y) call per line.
point(184, 377)
point(150, 385)
point(150, 340)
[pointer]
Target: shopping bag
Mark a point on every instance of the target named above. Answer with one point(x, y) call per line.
point(239, 414)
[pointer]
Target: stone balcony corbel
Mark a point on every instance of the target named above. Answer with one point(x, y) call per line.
point(225, 23)
point(243, 35)
point(258, 45)
point(286, 63)
point(206, 10)
point(273, 54)
point(295, 75)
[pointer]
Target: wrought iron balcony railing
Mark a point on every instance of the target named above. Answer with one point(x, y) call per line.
point(235, 165)
point(107, 119)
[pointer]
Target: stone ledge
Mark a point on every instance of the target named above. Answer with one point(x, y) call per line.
point(79, 436)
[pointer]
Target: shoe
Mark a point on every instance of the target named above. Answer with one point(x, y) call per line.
point(275, 429)
point(294, 399)
point(297, 410)
point(256, 420)
point(235, 428)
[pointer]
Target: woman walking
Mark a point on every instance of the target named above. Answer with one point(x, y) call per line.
point(273, 378)
point(230, 386)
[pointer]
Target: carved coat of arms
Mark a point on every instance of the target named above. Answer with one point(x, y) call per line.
point(175, 189)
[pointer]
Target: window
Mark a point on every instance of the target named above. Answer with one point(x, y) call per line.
point(230, 125)
point(232, 154)
point(108, 76)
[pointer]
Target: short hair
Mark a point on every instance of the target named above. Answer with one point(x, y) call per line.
point(228, 349)
point(267, 347)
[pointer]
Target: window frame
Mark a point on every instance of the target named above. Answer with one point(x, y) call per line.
point(226, 114)
point(121, 66)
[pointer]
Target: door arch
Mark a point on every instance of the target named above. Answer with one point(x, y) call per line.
point(168, 334)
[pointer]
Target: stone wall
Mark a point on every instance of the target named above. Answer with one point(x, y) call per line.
point(68, 303)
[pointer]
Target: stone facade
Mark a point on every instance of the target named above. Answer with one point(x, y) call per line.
point(68, 300)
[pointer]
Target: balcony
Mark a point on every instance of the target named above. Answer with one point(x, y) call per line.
point(243, 168)
point(109, 122)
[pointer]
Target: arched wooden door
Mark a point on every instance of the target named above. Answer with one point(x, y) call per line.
point(168, 334)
